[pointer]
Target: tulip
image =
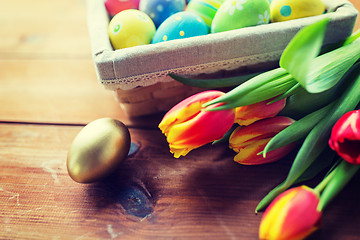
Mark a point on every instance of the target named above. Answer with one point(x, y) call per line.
point(292, 215)
point(345, 137)
point(188, 125)
point(249, 141)
point(251, 113)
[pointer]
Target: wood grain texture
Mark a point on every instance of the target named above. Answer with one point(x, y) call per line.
point(38, 29)
point(49, 90)
point(356, 4)
point(152, 196)
point(38, 195)
point(57, 91)
point(46, 70)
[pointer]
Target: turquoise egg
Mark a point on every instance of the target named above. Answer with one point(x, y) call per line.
point(206, 9)
point(180, 25)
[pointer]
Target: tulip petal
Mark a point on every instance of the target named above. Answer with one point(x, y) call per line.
point(292, 215)
point(250, 154)
point(200, 130)
point(189, 125)
point(251, 113)
point(274, 217)
point(345, 137)
point(250, 140)
point(186, 109)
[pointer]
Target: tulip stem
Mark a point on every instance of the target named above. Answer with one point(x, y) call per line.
point(321, 186)
point(342, 174)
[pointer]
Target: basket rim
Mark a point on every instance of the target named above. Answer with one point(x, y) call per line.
point(148, 64)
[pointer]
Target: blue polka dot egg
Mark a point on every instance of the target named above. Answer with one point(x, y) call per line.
point(159, 10)
point(284, 10)
point(180, 25)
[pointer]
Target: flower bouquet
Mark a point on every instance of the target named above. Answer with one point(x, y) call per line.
point(308, 104)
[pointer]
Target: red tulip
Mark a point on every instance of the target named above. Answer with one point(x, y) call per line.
point(345, 137)
point(251, 113)
point(292, 215)
point(189, 125)
point(249, 141)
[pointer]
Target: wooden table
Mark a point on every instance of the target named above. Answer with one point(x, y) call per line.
point(49, 91)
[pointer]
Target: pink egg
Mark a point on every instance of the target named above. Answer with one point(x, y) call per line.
point(115, 6)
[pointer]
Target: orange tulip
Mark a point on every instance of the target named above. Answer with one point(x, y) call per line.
point(189, 125)
point(249, 141)
point(251, 113)
point(293, 215)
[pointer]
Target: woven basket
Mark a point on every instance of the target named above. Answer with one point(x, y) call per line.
point(139, 75)
point(156, 98)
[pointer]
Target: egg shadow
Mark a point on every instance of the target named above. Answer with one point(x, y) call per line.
point(124, 192)
point(123, 189)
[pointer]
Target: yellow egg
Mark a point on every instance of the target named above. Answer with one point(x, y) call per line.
point(97, 150)
point(284, 10)
point(130, 28)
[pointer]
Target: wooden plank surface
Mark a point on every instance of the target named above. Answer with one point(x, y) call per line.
point(43, 29)
point(152, 196)
point(49, 90)
point(57, 91)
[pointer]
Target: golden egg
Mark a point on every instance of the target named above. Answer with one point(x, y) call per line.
point(97, 150)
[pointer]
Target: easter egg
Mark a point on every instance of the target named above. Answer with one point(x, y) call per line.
point(206, 9)
point(130, 28)
point(97, 150)
point(235, 14)
point(180, 25)
point(159, 10)
point(115, 6)
point(284, 10)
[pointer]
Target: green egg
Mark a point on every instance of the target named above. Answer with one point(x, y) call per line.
point(235, 14)
point(206, 9)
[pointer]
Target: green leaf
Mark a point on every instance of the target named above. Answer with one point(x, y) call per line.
point(249, 86)
point(288, 93)
point(342, 175)
point(311, 172)
point(302, 103)
point(330, 67)
point(257, 89)
point(214, 83)
point(297, 130)
point(266, 91)
point(326, 159)
point(316, 140)
point(318, 74)
point(303, 48)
